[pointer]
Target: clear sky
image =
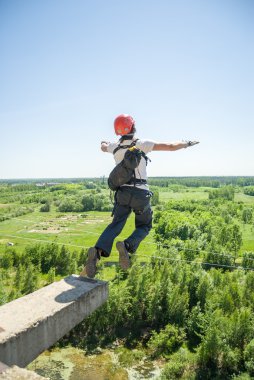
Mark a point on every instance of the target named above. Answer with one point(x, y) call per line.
point(184, 69)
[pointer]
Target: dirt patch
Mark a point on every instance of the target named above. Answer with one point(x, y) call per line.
point(71, 218)
point(93, 221)
point(49, 230)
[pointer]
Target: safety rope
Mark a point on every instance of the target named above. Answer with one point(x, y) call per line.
point(146, 256)
point(44, 241)
point(157, 244)
point(162, 245)
point(198, 262)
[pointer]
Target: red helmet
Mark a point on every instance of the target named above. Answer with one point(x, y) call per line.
point(123, 124)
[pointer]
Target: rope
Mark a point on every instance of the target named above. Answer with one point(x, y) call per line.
point(158, 244)
point(45, 241)
point(140, 255)
point(151, 243)
point(196, 250)
point(198, 263)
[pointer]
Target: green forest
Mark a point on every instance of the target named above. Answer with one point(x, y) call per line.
point(188, 298)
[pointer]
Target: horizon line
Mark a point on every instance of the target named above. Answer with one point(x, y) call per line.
point(105, 177)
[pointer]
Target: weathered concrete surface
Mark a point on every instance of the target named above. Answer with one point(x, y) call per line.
point(33, 323)
point(16, 373)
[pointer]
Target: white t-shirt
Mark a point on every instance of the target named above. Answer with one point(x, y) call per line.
point(145, 145)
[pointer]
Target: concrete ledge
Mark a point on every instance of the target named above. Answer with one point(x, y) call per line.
point(33, 323)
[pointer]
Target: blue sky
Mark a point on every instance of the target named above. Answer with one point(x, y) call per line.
point(184, 69)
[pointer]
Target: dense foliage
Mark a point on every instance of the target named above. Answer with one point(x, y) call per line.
point(206, 229)
point(28, 267)
point(249, 190)
point(205, 317)
point(191, 304)
point(199, 318)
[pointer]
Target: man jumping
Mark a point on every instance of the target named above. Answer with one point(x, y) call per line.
point(132, 196)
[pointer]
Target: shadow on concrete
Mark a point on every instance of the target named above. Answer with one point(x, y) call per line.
point(77, 289)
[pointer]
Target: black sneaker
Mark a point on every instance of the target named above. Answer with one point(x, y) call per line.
point(92, 258)
point(124, 258)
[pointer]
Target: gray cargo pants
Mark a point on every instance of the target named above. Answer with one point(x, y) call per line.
point(128, 199)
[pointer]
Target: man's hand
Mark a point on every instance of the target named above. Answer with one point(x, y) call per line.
point(191, 143)
point(104, 146)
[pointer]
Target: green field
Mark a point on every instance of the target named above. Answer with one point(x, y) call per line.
point(76, 231)
point(81, 230)
point(187, 194)
point(197, 194)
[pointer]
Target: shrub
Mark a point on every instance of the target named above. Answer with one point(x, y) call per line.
point(6, 261)
point(166, 341)
point(181, 363)
point(248, 260)
point(249, 357)
point(226, 192)
point(45, 207)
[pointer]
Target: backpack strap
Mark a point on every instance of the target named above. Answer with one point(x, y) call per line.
point(145, 157)
point(130, 146)
point(125, 146)
point(134, 181)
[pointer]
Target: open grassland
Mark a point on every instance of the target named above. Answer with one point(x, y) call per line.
point(76, 231)
point(183, 194)
point(247, 199)
point(200, 193)
point(81, 230)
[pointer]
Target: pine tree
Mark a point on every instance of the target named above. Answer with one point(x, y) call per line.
point(31, 279)
point(19, 278)
point(51, 275)
point(3, 296)
point(64, 260)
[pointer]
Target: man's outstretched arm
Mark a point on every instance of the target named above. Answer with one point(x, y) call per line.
point(174, 146)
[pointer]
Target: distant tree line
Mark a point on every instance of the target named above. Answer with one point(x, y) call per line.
point(14, 212)
point(206, 181)
point(215, 182)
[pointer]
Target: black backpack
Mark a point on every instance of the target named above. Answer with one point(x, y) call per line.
point(124, 172)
